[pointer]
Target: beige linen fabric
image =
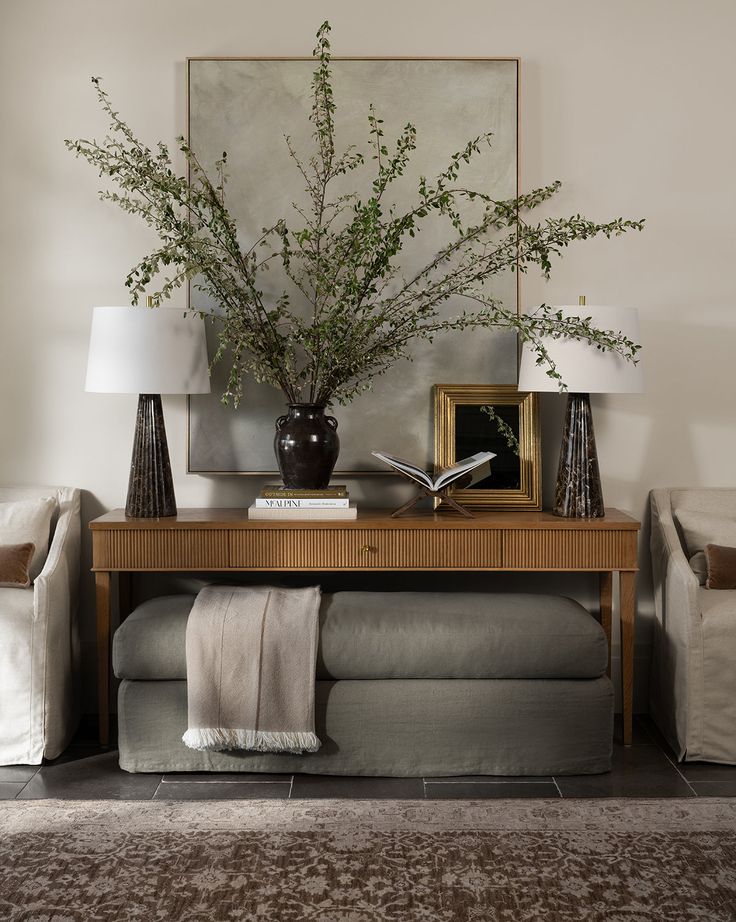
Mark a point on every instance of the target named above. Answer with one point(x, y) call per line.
point(29, 521)
point(693, 682)
point(251, 660)
point(702, 528)
point(39, 639)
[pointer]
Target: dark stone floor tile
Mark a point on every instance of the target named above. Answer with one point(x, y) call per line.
point(265, 790)
point(337, 786)
point(16, 773)
point(481, 790)
point(10, 789)
point(510, 779)
point(715, 788)
point(708, 771)
point(90, 777)
point(637, 771)
point(222, 777)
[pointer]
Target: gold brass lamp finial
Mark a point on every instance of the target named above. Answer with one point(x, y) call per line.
point(149, 301)
point(581, 300)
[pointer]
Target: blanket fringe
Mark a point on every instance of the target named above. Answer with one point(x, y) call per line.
point(216, 739)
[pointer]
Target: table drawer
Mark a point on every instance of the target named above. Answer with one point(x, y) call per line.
point(558, 549)
point(160, 549)
point(365, 549)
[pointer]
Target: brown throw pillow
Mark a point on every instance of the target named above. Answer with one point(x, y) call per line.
point(721, 566)
point(15, 562)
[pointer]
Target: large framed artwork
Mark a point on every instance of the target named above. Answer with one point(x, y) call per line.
point(246, 107)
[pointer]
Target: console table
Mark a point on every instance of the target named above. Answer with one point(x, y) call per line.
point(226, 540)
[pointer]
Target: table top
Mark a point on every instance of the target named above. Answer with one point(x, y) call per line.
point(368, 517)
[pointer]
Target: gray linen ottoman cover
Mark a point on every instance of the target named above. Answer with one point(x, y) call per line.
point(409, 683)
point(401, 635)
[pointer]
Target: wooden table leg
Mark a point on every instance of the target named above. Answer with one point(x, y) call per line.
point(627, 603)
point(103, 600)
point(606, 609)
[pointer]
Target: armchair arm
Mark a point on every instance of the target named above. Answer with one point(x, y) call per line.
point(56, 639)
point(675, 584)
point(676, 678)
point(58, 582)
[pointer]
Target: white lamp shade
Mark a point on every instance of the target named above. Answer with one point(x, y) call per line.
point(144, 350)
point(584, 368)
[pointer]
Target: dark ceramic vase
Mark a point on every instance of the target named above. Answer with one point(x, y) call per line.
point(307, 446)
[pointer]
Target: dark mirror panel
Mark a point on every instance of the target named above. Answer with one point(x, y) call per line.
point(476, 431)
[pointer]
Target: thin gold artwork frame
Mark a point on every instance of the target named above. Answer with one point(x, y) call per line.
point(447, 397)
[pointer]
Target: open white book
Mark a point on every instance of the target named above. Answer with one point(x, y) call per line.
point(472, 470)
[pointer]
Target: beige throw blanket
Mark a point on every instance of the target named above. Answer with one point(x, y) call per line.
point(251, 662)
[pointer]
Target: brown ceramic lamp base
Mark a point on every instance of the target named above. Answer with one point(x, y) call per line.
point(151, 487)
point(578, 493)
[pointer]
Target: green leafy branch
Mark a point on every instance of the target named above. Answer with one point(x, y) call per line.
point(504, 430)
point(341, 254)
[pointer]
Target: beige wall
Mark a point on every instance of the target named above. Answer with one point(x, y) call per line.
point(629, 103)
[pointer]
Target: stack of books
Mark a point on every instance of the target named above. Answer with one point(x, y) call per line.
point(279, 502)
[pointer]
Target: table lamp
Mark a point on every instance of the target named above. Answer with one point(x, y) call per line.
point(585, 370)
point(149, 352)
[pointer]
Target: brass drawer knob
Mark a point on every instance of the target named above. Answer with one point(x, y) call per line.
point(368, 549)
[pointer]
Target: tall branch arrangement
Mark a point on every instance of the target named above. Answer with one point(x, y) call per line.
point(340, 253)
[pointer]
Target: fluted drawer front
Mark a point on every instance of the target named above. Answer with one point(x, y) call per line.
point(557, 549)
point(167, 549)
point(350, 549)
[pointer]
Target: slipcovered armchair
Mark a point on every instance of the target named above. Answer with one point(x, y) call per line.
point(693, 684)
point(39, 648)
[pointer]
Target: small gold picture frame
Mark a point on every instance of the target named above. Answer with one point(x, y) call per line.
point(462, 428)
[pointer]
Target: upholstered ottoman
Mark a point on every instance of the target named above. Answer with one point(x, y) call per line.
point(408, 683)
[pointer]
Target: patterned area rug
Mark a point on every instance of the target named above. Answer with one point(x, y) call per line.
point(369, 861)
